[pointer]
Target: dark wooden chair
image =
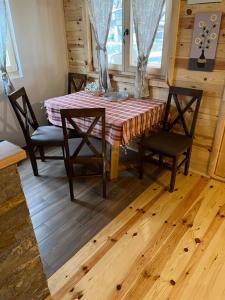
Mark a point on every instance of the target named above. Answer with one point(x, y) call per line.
point(76, 82)
point(42, 135)
point(84, 149)
point(171, 144)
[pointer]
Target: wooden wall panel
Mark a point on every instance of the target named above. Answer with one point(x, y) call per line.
point(211, 82)
point(74, 23)
point(217, 160)
point(220, 171)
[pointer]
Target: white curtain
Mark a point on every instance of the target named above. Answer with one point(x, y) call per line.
point(146, 14)
point(8, 87)
point(100, 12)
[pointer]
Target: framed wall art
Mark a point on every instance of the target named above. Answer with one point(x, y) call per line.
point(204, 41)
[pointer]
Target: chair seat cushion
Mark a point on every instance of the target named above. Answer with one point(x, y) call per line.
point(168, 143)
point(48, 135)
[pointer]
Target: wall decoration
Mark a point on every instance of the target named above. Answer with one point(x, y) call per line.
point(204, 41)
point(202, 1)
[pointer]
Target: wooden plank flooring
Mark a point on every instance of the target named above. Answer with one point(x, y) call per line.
point(63, 227)
point(161, 246)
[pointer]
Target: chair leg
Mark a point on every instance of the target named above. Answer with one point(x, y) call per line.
point(70, 179)
point(173, 175)
point(104, 177)
point(65, 161)
point(66, 167)
point(187, 164)
point(33, 161)
point(42, 153)
point(63, 152)
point(69, 172)
point(141, 158)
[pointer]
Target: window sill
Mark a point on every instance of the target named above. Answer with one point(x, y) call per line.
point(15, 75)
point(154, 81)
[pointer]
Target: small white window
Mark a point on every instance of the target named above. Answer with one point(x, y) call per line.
point(156, 54)
point(115, 37)
point(12, 62)
point(121, 43)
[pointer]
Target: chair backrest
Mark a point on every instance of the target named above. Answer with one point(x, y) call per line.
point(76, 82)
point(192, 98)
point(92, 117)
point(24, 112)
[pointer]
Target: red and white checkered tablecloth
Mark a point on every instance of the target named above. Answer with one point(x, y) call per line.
point(124, 120)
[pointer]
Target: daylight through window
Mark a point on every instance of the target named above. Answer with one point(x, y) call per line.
point(121, 44)
point(11, 59)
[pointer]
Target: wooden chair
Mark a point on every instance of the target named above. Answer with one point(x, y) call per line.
point(171, 144)
point(76, 82)
point(42, 135)
point(85, 149)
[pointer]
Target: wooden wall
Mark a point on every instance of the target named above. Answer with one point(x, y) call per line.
point(211, 82)
point(220, 170)
point(75, 33)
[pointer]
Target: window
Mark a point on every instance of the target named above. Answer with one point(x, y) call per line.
point(11, 63)
point(121, 44)
point(155, 57)
point(11, 57)
point(115, 40)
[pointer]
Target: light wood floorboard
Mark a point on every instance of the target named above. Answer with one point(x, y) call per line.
point(161, 246)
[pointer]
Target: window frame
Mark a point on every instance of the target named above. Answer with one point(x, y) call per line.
point(151, 70)
point(12, 67)
point(11, 51)
point(119, 67)
point(126, 67)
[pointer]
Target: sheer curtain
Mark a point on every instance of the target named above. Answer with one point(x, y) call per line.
point(100, 13)
point(7, 84)
point(146, 14)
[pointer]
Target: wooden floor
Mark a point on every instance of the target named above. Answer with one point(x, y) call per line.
point(162, 246)
point(63, 227)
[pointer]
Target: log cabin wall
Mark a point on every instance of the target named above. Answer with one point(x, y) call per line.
point(220, 170)
point(217, 160)
point(211, 82)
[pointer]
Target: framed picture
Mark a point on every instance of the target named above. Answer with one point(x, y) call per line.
point(204, 41)
point(202, 1)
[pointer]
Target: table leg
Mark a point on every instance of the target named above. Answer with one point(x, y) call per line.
point(114, 162)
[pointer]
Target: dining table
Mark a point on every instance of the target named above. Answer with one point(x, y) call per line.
point(125, 119)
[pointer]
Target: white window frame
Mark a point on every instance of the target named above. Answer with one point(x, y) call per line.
point(13, 66)
point(126, 67)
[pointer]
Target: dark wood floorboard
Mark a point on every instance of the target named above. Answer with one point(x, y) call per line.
point(62, 227)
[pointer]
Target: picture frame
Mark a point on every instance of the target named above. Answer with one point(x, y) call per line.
point(205, 36)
